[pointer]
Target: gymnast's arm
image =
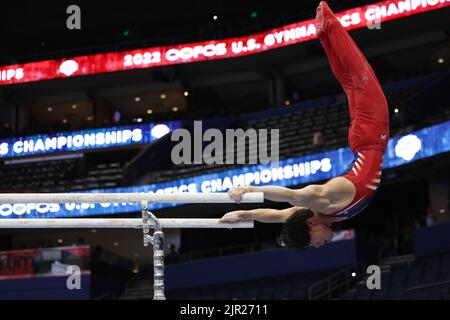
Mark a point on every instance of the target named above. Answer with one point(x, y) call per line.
point(273, 193)
point(316, 197)
point(261, 215)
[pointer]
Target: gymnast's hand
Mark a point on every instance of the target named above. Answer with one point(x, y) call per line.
point(235, 216)
point(236, 193)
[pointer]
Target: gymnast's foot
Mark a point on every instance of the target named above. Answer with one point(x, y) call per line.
point(324, 16)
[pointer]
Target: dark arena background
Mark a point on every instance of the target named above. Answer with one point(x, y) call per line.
point(91, 93)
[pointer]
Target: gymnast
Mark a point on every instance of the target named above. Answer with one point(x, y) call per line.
point(316, 207)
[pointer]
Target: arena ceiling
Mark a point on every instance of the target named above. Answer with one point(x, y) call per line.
point(30, 28)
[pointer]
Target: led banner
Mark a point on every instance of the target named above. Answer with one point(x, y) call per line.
point(365, 16)
point(44, 261)
point(85, 140)
point(290, 172)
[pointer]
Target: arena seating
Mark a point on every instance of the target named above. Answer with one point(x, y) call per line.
point(40, 175)
point(59, 176)
point(291, 286)
point(105, 175)
point(424, 278)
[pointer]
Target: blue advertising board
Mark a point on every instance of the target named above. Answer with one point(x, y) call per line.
point(85, 140)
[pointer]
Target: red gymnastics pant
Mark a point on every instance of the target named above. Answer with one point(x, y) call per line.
point(369, 115)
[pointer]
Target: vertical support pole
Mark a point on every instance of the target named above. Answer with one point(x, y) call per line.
point(158, 250)
point(158, 265)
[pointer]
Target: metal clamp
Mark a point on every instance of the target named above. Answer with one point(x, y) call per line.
point(145, 224)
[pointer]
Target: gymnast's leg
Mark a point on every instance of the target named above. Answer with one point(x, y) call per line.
point(369, 117)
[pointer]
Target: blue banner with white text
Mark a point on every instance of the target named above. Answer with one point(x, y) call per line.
point(85, 140)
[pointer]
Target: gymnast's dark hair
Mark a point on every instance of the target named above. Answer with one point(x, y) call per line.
point(295, 233)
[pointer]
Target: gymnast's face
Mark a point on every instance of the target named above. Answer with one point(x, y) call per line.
point(319, 232)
